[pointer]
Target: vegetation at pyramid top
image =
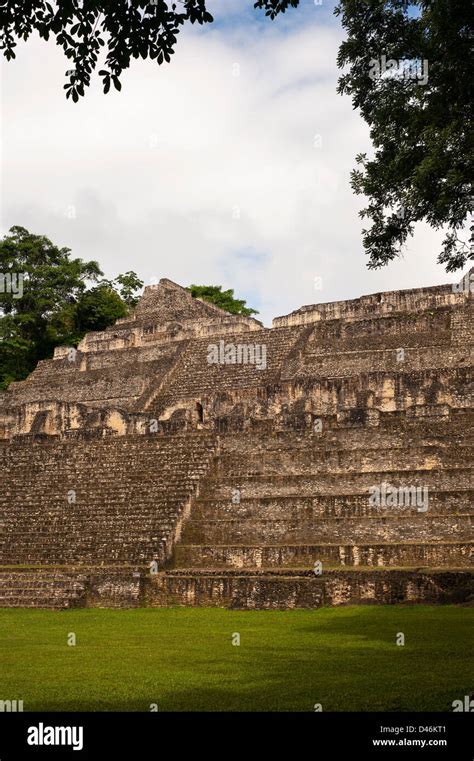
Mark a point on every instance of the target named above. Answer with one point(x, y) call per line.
point(223, 299)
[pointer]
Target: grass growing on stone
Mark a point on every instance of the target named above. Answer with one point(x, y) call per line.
point(183, 659)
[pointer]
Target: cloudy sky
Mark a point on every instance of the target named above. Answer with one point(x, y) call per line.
point(228, 166)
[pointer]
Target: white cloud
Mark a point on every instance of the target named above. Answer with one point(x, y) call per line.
point(198, 174)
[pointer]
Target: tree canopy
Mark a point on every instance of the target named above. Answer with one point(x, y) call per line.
point(407, 66)
point(223, 299)
point(120, 29)
point(49, 299)
point(420, 116)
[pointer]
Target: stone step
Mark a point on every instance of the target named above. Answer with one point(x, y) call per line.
point(309, 461)
point(397, 434)
point(108, 550)
point(264, 588)
point(57, 587)
point(307, 509)
point(427, 320)
point(82, 493)
point(132, 444)
point(130, 476)
point(344, 363)
point(84, 538)
point(269, 589)
point(16, 525)
point(406, 554)
point(422, 527)
point(39, 601)
point(337, 483)
point(40, 589)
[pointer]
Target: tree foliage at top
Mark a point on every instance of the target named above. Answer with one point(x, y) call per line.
point(49, 299)
point(421, 128)
point(223, 299)
point(420, 114)
point(122, 29)
point(421, 168)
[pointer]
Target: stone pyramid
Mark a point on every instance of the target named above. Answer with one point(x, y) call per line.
point(189, 456)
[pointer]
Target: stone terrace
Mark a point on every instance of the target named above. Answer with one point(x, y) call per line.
point(136, 472)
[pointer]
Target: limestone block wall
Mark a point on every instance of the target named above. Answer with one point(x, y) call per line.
point(385, 352)
point(379, 304)
point(273, 590)
point(97, 379)
point(97, 501)
point(197, 377)
point(288, 500)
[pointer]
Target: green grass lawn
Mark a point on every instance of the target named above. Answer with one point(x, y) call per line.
point(183, 659)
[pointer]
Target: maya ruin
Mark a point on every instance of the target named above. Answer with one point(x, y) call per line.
point(190, 456)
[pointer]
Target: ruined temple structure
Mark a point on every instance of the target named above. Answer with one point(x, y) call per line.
point(186, 456)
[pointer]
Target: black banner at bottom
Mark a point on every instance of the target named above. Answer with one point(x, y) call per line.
point(106, 735)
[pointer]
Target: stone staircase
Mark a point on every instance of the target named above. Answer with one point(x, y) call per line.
point(92, 376)
point(92, 506)
point(194, 377)
point(98, 502)
point(40, 588)
point(272, 508)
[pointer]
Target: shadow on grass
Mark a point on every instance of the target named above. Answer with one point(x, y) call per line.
point(345, 659)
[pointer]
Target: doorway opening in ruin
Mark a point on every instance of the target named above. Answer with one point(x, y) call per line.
point(200, 412)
